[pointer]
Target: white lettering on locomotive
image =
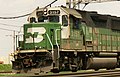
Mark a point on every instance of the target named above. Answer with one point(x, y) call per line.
point(38, 38)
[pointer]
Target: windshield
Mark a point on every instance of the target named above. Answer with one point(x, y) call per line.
point(53, 18)
point(48, 19)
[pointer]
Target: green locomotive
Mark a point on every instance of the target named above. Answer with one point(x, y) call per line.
point(60, 39)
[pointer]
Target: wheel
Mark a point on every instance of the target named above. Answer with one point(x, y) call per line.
point(96, 69)
point(55, 70)
point(74, 68)
point(107, 68)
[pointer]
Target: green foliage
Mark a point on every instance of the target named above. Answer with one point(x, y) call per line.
point(5, 67)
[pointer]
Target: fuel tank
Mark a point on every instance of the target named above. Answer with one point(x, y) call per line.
point(107, 54)
point(98, 63)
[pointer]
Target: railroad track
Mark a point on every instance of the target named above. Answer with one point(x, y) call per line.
point(104, 73)
point(101, 73)
point(6, 73)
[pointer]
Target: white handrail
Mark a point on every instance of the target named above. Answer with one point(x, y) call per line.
point(51, 45)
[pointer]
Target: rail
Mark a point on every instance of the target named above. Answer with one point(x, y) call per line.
point(103, 73)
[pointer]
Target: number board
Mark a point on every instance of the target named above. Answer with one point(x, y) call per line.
point(54, 12)
point(39, 13)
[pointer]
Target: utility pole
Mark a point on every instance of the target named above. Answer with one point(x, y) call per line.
point(75, 3)
point(14, 40)
point(13, 36)
point(68, 3)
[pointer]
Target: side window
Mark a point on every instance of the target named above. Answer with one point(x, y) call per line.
point(65, 20)
point(76, 23)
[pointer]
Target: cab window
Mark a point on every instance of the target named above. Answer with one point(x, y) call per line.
point(65, 20)
point(41, 19)
point(53, 18)
point(76, 23)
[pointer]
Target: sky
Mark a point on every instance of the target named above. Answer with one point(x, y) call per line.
point(12, 8)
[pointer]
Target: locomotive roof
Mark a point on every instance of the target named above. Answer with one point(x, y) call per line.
point(66, 10)
point(72, 12)
point(75, 12)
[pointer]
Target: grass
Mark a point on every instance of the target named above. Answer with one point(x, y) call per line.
point(5, 67)
point(14, 75)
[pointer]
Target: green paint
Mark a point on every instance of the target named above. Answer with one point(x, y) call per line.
point(44, 44)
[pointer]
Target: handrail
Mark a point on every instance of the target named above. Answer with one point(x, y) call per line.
point(56, 40)
point(50, 44)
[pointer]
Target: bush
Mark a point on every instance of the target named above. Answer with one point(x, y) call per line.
point(5, 67)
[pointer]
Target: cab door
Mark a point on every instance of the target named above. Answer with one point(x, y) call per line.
point(65, 32)
point(75, 33)
point(71, 33)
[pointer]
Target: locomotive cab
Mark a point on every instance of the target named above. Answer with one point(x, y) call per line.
point(46, 34)
point(69, 19)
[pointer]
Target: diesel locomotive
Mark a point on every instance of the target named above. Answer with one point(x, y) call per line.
point(65, 39)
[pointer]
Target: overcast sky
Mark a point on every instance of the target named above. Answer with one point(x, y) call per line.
point(20, 7)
